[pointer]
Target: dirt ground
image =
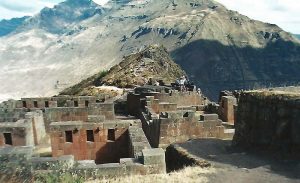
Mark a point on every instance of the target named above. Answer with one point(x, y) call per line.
point(238, 166)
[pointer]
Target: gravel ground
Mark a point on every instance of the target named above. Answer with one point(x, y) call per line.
point(238, 166)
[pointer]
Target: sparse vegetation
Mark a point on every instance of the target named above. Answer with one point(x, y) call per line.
point(135, 69)
point(186, 175)
point(58, 177)
point(94, 80)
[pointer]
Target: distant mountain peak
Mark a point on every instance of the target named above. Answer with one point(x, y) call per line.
point(8, 26)
point(57, 19)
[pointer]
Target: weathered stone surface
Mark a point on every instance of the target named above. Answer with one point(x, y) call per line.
point(268, 119)
point(62, 162)
point(207, 117)
point(153, 156)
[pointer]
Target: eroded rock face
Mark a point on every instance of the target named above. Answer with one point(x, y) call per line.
point(268, 120)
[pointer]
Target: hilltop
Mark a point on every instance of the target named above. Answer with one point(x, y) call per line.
point(134, 70)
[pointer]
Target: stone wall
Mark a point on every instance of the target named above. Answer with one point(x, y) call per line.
point(105, 111)
point(268, 119)
point(180, 126)
point(20, 132)
point(178, 158)
point(38, 127)
point(181, 98)
point(142, 160)
point(34, 103)
point(27, 131)
point(166, 100)
point(227, 109)
point(103, 148)
point(11, 115)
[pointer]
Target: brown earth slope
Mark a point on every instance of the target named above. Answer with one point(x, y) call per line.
point(134, 70)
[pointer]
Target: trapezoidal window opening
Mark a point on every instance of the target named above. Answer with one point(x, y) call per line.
point(111, 134)
point(24, 104)
point(7, 138)
point(35, 104)
point(86, 103)
point(46, 104)
point(90, 136)
point(75, 103)
point(185, 115)
point(69, 136)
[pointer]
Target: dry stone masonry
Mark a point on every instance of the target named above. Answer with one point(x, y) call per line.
point(87, 138)
point(269, 120)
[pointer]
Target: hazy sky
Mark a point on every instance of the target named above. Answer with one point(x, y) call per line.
point(285, 13)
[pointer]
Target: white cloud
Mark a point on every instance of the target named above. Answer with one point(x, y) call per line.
point(18, 8)
point(101, 2)
point(285, 13)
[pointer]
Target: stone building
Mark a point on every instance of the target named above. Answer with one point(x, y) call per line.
point(86, 135)
point(169, 116)
point(29, 130)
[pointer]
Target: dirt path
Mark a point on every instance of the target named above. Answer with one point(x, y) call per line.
point(237, 166)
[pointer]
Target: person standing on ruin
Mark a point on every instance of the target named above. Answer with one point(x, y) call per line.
point(182, 81)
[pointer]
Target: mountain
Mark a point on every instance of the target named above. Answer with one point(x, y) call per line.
point(56, 20)
point(8, 26)
point(218, 48)
point(134, 70)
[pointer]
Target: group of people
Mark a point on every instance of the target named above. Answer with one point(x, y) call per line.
point(182, 82)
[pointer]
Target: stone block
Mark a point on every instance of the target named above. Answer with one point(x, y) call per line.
point(110, 125)
point(46, 163)
point(96, 118)
point(153, 156)
point(205, 117)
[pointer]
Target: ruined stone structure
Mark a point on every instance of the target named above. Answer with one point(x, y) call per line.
point(227, 109)
point(268, 120)
point(169, 116)
point(28, 130)
point(85, 134)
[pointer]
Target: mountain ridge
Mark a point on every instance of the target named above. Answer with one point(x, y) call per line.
point(99, 42)
point(56, 20)
point(10, 25)
point(135, 69)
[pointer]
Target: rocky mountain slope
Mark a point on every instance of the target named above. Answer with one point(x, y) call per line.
point(134, 70)
point(218, 48)
point(8, 26)
point(57, 20)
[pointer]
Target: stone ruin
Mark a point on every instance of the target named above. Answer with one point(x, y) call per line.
point(169, 116)
point(88, 138)
point(269, 120)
